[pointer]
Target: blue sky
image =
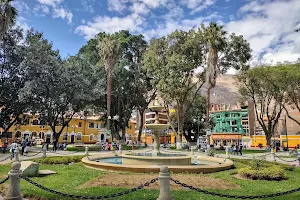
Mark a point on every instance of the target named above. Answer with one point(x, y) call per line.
point(267, 24)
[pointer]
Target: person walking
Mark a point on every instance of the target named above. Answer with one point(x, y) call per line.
point(54, 148)
point(241, 149)
point(13, 147)
point(23, 144)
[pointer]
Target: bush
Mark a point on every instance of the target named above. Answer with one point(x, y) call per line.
point(129, 147)
point(211, 153)
point(59, 160)
point(82, 148)
point(268, 173)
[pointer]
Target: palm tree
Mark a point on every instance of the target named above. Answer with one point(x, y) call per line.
point(215, 37)
point(109, 53)
point(8, 15)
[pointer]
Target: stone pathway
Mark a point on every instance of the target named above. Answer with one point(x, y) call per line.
point(34, 150)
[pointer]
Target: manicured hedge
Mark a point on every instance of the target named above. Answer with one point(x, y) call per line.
point(59, 160)
point(82, 148)
point(268, 173)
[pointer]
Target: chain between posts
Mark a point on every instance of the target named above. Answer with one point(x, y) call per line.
point(35, 154)
point(5, 159)
point(285, 160)
point(235, 196)
point(89, 197)
point(4, 180)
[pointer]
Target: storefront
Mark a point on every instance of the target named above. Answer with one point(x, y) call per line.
point(225, 139)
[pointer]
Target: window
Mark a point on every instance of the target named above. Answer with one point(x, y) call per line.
point(234, 122)
point(79, 124)
point(65, 136)
point(91, 125)
point(91, 137)
point(35, 122)
point(79, 136)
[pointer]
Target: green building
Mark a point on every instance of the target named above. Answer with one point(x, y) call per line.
point(231, 121)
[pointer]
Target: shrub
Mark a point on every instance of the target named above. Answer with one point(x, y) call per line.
point(82, 148)
point(59, 160)
point(211, 153)
point(267, 173)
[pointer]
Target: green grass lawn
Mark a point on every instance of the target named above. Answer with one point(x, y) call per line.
point(68, 177)
point(247, 151)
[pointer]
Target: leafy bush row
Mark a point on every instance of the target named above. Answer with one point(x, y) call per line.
point(268, 173)
point(82, 148)
point(59, 160)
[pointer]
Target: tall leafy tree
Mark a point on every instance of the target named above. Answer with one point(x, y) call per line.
point(109, 53)
point(223, 52)
point(193, 124)
point(260, 86)
point(290, 84)
point(8, 15)
point(57, 89)
point(12, 78)
point(170, 63)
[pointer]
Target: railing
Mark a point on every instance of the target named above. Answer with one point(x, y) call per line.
point(15, 176)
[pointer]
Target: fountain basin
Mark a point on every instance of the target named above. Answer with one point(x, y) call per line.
point(157, 160)
point(207, 165)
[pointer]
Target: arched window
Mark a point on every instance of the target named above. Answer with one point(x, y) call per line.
point(91, 137)
point(65, 136)
point(18, 134)
point(35, 122)
point(79, 135)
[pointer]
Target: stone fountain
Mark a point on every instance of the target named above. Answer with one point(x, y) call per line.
point(156, 125)
point(151, 161)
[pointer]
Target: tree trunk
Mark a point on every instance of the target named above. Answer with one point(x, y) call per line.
point(268, 138)
point(180, 127)
point(109, 77)
point(141, 125)
point(123, 134)
point(207, 107)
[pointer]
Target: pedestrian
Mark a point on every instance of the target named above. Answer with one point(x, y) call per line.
point(13, 147)
point(298, 157)
point(241, 149)
point(237, 149)
point(23, 144)
point(54, 145)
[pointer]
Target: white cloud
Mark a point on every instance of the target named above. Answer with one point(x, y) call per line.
point(50, 2)
point(197, 5)
point(172, 25)
point(62, 13)
point(110, 24)
point(87, 5)
point(41, 10)
point(58, 11)
point(269, 28)
point(117, 5)
point(21, 6)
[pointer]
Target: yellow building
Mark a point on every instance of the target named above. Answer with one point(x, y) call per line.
point(293, 140)
point(87, 130)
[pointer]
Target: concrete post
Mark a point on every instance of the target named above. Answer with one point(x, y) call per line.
point(164, 177)
point(14, 191)
point(273, 156)
point(120, 149)
point(44, 151)
point(16, 155)
point(227, 154)
point(86, 153)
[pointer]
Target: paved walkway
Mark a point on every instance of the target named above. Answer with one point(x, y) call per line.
point(33, 151)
